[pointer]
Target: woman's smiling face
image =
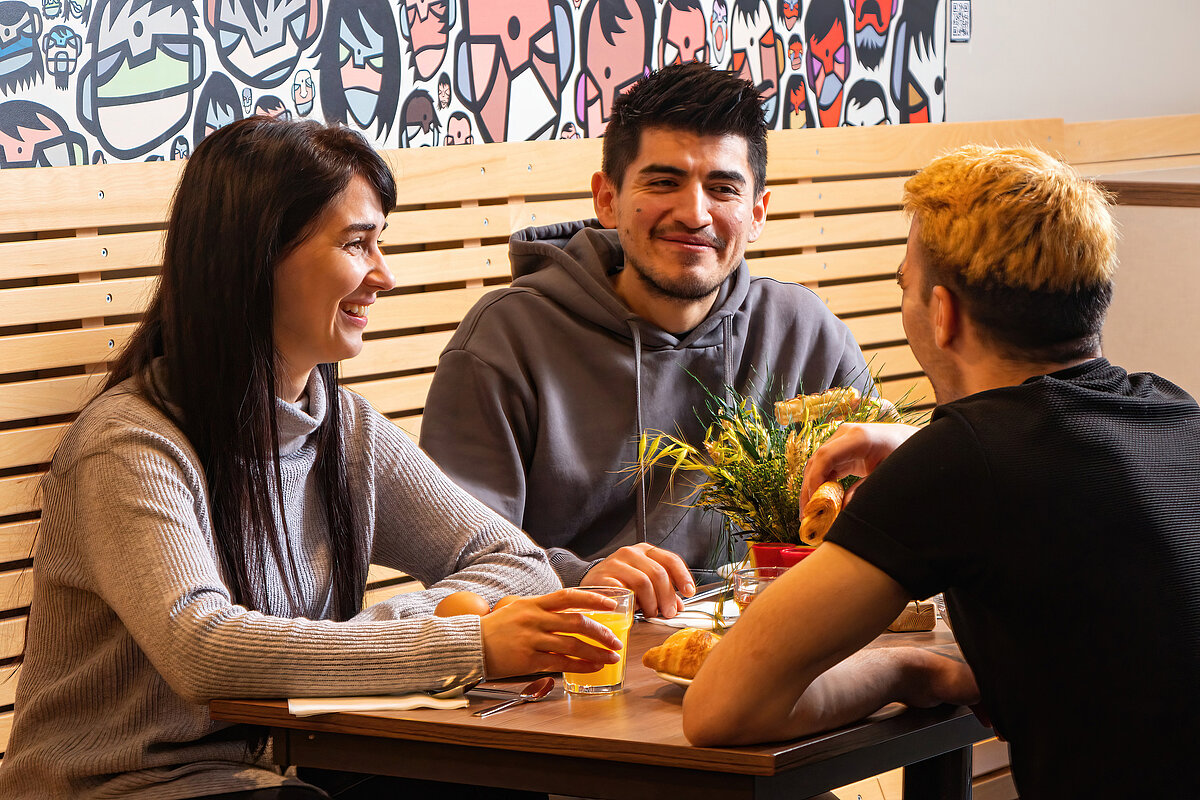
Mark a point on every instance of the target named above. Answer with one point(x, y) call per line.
point(325, 286)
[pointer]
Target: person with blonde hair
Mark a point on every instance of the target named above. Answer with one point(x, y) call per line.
point(1054, 498)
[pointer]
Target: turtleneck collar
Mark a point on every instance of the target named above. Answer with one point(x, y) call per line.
point(297, 423)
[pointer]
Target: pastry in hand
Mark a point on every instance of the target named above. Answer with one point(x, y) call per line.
point(836, 403)
point(820, 511)
point(682, 653)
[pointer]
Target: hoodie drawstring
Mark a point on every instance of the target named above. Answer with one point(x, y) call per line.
point(640, 521)
point(727, 346)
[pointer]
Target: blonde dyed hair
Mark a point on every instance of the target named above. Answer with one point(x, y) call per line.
point(1013, 217)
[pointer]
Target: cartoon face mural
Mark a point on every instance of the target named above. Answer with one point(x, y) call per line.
point(757, 51)
point(796, 113)
point(62, 47)
point(135, 92)
point(512, 61)
point(458, 129)
point(866, 104)
point(79, 10)
point(683, 35)
point(247, 100)
point(52, 9)
point(871, 21)
point(425, 25)
point(569, 131)
point(20, 59)
point(260, 41)
point(217, 107)
point(33, 135)
point(179, 149)
point(719, 24)
point(828, 58)
point(271, 106)
point(788, 12)
point(419, 122)
point(795, 53)
point(360, 64)
point(615, 43)
point(918, 70)
point(303, 92)
point(444, 91)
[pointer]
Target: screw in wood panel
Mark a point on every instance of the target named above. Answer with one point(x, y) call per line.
point(100, 194)
point(111, 344)
point(108, 298)
point(104, 252)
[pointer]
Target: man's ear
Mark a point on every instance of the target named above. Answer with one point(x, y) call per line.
point(758, 217)
point(604, 199)
point(947, 320)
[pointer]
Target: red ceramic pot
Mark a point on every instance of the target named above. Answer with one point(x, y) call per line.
point(792, 556)
point(768, 554)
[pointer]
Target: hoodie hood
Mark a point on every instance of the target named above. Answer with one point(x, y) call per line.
point(572, 263)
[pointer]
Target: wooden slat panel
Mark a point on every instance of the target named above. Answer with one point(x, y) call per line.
point(16, 588)
point(24, 447)
point(876, 329)
point(451, 264)
point(1110, 168)
point(447, 224)
point(410, 425)
point(427, 308)
point(67, 301)
point(19, 495)
point(473, 172)
point(47, 397)
point(8, 688)
point(418, 351)
point(377, 573)
point(894, 360)
point(17, 540)
point(69, 348)
point(6, 719)
point(551, 212)
point(70, 256)
point(1145, 138)
point(87, 197)
point(835, 195)
point(894, 148)
point(830, 265)
point(390, 395)
point(12, 637)
point(842, 229)
point(373, 596)
point(913, 391)
point(854, 298)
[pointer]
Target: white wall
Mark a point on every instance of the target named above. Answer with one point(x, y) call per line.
point(1075, 59)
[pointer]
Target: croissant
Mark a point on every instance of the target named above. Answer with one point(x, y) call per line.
point(820, 511)
point(838, 402)
point(682, 653)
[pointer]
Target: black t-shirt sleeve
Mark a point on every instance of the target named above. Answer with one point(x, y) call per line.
point(913, 517)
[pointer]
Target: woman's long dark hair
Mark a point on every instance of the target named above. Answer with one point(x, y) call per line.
point(250, 193)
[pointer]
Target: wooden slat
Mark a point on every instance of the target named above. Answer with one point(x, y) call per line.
point(373, 596)
point(68, 301)
point(1144, 138)
point(43, 258)
point(835, 195)
point(390, 395)
point(911, 391)
point(47, 397)
point(858, 297)
point(25, 447)
point(410, 425)
point(448, 224)
point(377, 573)
point(9, 675)
point(69, 348)
point(447, 265)
point(842, 229)
point(17, 540)
point(426, 308)
point(87, 197)
point(6, 722)
point(551, 212)
point(894, 360)
point(831, 265)
point(16, 588)
point(876, 329)
point(19, 495)
point(12, 637)
point(396, 354)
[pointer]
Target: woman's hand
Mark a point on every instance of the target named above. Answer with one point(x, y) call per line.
point(533, 634)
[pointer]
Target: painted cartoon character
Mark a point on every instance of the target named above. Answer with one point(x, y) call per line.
point(796, 113)
point(569, 131)
point(217, 107)
point(719, 24)
point(871, 21)
point(795, 50)
point(62, 47)
point(20, 58)
point(683, 36)
point(458, 129)
point(268, 105)
point(260, 41)
point(303, 92)
point(918, 66)
point(179, 149)
point(616, 37)
point(757, 52)
point(247, 100)
point(444, 91)
point(828, 58)
point(512, 62)
point(34, 135)
point(426, 25)
point(788, 12)
point(866, 104)
point(135, 92)
point(360, 65)
point(80, 10)
point(419, 122)
point(52, 9)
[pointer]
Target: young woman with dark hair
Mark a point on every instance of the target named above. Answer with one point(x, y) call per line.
point(209, 518)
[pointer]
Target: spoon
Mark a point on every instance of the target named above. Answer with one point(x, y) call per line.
point(533, 691)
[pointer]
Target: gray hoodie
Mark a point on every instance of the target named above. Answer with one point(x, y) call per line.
point(540, 396)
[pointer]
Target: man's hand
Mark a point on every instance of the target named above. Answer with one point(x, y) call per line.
point(530, 634)
point(652, 573)
point(856, 448)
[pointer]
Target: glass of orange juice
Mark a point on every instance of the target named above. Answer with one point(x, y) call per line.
point(610, 677)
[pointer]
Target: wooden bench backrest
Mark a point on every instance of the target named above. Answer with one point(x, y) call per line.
point(79, 250)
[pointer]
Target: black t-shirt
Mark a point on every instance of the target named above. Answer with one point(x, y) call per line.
point(1061, 517)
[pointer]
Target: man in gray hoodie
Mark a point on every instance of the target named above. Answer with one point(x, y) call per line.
point(632, 323)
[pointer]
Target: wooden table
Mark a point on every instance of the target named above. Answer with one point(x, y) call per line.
point(630, 745)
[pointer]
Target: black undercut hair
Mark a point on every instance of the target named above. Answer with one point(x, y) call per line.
point(690, 97)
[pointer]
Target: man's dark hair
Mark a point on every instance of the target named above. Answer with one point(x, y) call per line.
point(690, 97)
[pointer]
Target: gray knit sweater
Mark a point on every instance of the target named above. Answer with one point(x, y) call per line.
point(132, 630)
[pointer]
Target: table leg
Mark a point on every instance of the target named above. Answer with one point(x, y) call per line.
point(944, 776)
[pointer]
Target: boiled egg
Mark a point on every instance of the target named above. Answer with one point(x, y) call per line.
point(453, 605)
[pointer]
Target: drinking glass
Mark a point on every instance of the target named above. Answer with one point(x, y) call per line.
point(610, 677)
point(747, 583)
